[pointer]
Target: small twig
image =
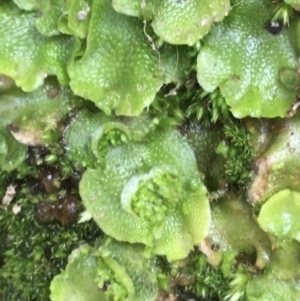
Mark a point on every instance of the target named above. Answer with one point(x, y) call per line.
point(9, 195)
point(153, 47)
point(293, 110)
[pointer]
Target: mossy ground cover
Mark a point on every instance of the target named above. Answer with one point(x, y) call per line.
point(149, 150)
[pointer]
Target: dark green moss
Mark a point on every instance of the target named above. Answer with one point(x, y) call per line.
point(199, 279)
point(238, 152)
point(36, 242)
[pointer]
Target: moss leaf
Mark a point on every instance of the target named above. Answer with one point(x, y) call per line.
point(77, 282)
point(177, 22)
point(25, 55)
point(29, 115)
point(285, 263)
point(130, 83)
point(49, 13)
point(244, 236)
point(90, 135)
point(131, 269)
point(280, 215)
point(253, 63)
point(76, 18)
point(12, 153)
point(26, 4)
point(161, 173)
point(294, 3)
point(268, 288)
point(278, 167)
